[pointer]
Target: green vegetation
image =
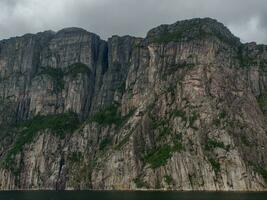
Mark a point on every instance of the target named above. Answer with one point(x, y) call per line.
point(169, 37)
point(157, 185)
point(163, 132)
point(110, 115)
point(122, 87)
point(191, 179)
point(77, 68)
point(177, 146)
point(183, 32)
point(262, 101)
point(158, 123)
point(174, 67)
point(192, 118)
point(59, 124)
point(244, 140)
point(162, 128)
point(222, 115)
point(260, 170)
point(261, 48)
point(168, 179)
point(139, 182)
point(179, 113)
point(243, 57)
point(159, 156)
point(263, 64)
point(123, 142)
point(193, 30)
point(150, 107)
point(57, 76)
point(217, 122)
point(212, 144)
point(104, 143)
point(55, 73)
point(215, 165)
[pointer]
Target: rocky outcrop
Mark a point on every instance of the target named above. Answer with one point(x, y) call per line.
point(182, 109)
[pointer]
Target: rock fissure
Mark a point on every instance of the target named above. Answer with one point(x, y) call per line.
point(182, 109)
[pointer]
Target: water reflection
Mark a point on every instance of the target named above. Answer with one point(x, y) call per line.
point(88, 195)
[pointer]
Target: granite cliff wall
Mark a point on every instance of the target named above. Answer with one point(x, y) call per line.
point(182, 109)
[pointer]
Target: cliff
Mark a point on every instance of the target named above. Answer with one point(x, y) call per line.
point(184, 108)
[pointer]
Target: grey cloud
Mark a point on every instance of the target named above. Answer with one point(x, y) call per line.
point(246, 18)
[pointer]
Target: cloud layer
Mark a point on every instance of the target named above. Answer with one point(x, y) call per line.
point(247, 19)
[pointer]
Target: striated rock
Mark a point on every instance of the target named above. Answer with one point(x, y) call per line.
point(182, 109)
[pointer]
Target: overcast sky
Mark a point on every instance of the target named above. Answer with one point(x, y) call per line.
point(247, 19)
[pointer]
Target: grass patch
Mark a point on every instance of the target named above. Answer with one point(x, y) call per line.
point(161, 128)
point(215, 165)
point(163, 132)
point(222, 115)
point(159, 157)
point(177, 146)
point(59, 124)
point(107, 116)
point(110, 115)
point(212, 144)
point(104, 143)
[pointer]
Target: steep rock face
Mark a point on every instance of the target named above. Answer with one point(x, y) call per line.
point(182, 109)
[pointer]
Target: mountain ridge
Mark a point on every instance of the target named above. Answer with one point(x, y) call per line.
point(182, 109)
point(205, 19)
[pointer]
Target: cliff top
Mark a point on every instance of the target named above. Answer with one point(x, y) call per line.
point(196, 28)
point(184, 30)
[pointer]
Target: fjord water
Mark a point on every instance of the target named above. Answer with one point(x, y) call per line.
point(88, 195)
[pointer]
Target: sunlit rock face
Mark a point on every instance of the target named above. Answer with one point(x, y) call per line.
point(182, 109)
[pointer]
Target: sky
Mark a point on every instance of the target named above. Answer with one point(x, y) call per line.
point(247, 19)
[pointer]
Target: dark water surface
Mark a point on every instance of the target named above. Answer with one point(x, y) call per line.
point(131, 196)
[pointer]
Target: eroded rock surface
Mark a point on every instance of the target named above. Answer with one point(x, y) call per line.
point(182, 109)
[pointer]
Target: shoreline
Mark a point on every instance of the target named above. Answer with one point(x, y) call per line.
point(137, 190)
